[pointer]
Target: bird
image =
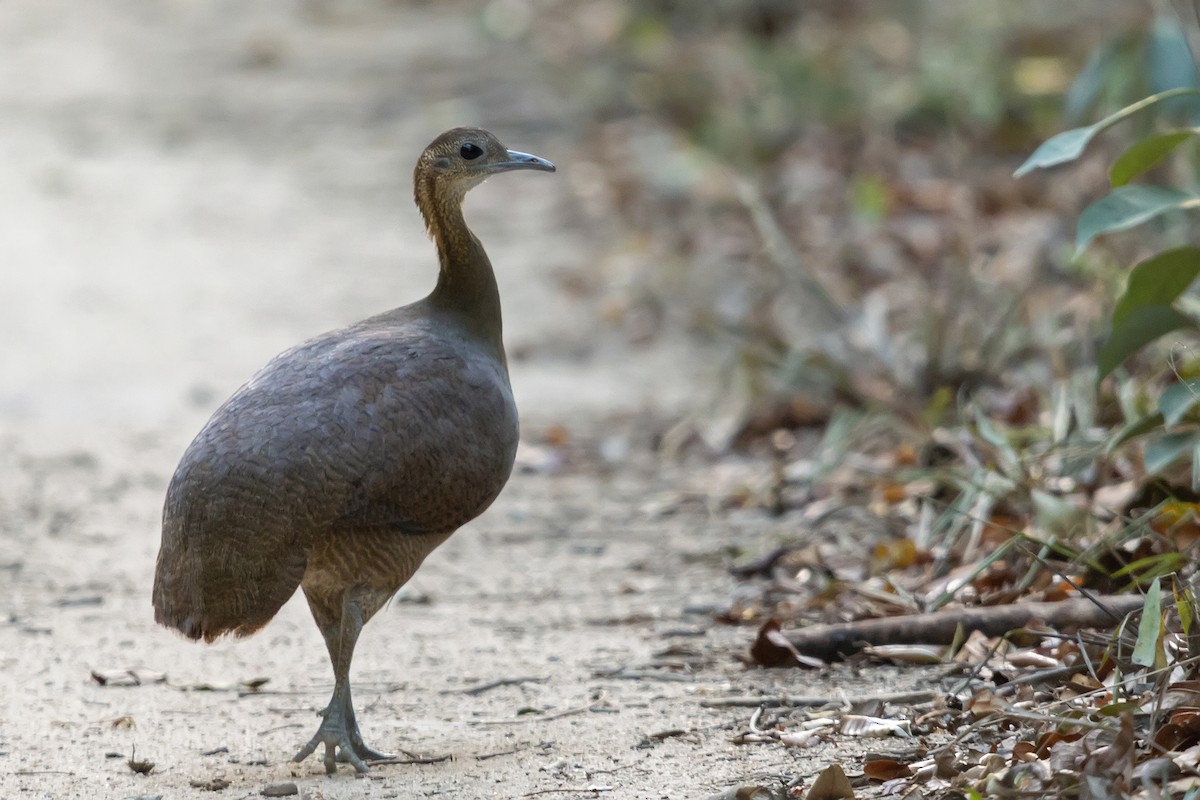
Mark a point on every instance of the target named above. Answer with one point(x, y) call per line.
point(341, 464)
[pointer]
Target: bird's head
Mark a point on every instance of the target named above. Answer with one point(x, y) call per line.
point(463, 157)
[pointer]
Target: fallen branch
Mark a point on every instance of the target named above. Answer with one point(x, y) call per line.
point(794, 701)
point(830, 642)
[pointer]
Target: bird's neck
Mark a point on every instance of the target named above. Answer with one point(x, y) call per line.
point(466, 284)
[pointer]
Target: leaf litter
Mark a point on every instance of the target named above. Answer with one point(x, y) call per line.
point(1048, 583)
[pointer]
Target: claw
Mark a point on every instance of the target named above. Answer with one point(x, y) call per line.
point(339, 743)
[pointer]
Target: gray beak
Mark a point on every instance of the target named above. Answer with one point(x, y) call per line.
point(519, 160)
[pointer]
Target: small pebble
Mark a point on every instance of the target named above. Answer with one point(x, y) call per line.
point(280, 790)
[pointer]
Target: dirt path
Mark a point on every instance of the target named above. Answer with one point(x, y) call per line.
point(599, 589)
point(190, 187)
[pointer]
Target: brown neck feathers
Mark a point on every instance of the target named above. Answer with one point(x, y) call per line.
point(466, 283)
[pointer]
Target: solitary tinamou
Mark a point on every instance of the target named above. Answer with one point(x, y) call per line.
point(347, 459)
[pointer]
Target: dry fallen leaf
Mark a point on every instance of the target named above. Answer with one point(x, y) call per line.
point(772, 649)
point(801, 738)
point(831, 784)
point(885, 769)
point(984, 704)
point(859, 725)
point(920, 654)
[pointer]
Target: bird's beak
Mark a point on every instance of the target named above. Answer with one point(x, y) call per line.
point(518, 160)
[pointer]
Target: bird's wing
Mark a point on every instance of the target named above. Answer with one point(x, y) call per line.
point(331, 432)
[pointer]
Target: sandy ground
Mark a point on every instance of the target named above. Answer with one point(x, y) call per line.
point(189, 187)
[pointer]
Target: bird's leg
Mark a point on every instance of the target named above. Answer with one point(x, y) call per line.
point(339, 728)
point(356, 741)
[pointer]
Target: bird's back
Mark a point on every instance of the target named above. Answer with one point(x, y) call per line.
point(402, 426)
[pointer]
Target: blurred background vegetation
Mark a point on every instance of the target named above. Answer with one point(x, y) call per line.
point(823, 190)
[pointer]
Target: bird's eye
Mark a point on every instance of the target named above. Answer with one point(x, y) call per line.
point(470, 151)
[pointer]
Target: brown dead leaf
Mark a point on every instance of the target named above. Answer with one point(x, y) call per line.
point(1049, 739)
point(1082, 683)
point(1181, 731)
point(831, 784)
point(1024, 751)
point(885, 769)
point(772, 649)
point(984, 704)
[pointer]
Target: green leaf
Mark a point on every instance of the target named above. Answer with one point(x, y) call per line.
point(1166, 450)
point(1127, 207)
point(1150, 627)
point(1133, 430)
point(1147, 154)
point(1158, 280)
point(1069, 145)
point(1136, 330)
point(1183, 606)
point(1117, 709)
point(1161, 564)
point(1178, 400)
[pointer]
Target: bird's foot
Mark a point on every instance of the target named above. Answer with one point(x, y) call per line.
point(360, 748)
point(342, 743)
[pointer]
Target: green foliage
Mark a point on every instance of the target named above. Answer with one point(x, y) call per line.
point(1149, 652)
point(1168, 448)
point(1069, 145)
point(1139, 328)
point(1147, 154)
point(1150, 306)
point(1178, 401)
point(1128, 207)
point(1159, 280)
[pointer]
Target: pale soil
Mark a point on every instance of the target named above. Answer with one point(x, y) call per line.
point(190, 187)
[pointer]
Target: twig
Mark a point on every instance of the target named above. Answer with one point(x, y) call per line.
point(600, 699)
point(42, 772)
point(487, 687)
point(784, 701)
point(567, 790)
point(830, 642)
point(1038, 677)
point(486, 756)
point(417, 760)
